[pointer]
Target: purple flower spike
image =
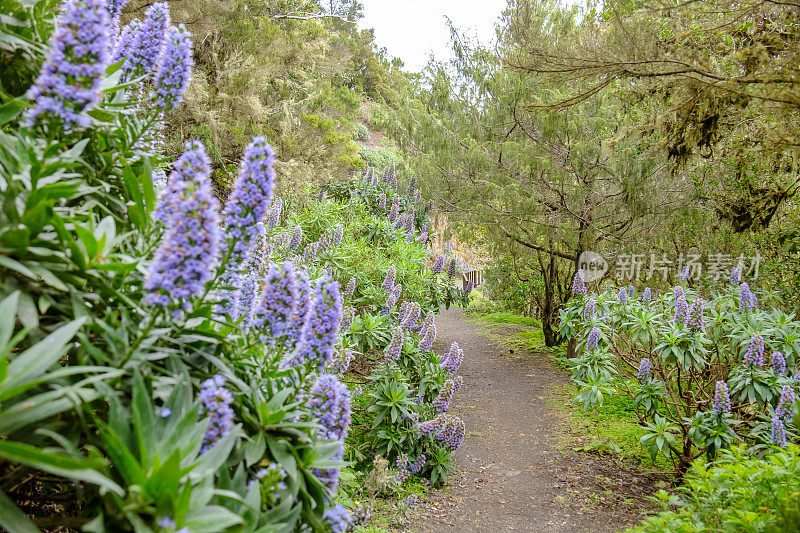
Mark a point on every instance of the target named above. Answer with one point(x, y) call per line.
point(681, 307)
point(175, 70)
point(438, 266)
point(778, 432)
point(297, 238)
point(778, 363)
point(350, 288)
point(452, 268)
point(403, 472)
point(755, 351)
point(448, 390)
point(578, 285)
point(321, 326)
point(432, 427)
point(644, 370)
point(722, 399)
point(338, 517)
point(590, 309)
point(277, 304)
point(184, 262)
point(747, 300)
point(215, 404)
point(694, 320)
point(148, 44)
point(593, 340)
point(785, 403)
point(736, 276)
point(388, 281)
point(395, 347)
point(249, 200)
point(68, 84)
point(451, 361)
point(428, 332)
point(647, 295)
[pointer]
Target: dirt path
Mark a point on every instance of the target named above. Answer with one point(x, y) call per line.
point(511, 472)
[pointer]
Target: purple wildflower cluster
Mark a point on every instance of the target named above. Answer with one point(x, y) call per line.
point(175, 69)
point(451, 361)
point(215, 404)
point(303, 306)
point(778, 363)
point(452, 268)
point(338, 518)
point(388, 281)
point(593, 340)
point(449, 389)
point(778, 432)
point(297, 238)
point(747, 300)
point(722, 398)
point(249, 200)
point(428, 332)
point(274, 213)
point(330, 402)
point(578, 284)
point(630, 290)
point(644, 370)
point(452, 435)
point(417, 466)
point(409, 314)
point(403, 471)
point(412, 186)
point(348, 315)
point(736, 275)
point(394, 210)
point(273, 312)
point(393, 296)
point(68, 84)
point(361, 515)
point(434, 426)
point(395, 345)
point(341, 361)
point(755, 350)
point(681, 306)
point(685, 274)
point(250, 279)
point(147, 41)
point(623, 295)
point(438, 266)
point(321, 326)
point(184, 262)
point(389, 177)
point(350, 289)
point(647, 295)
point(590, 309)
point(694, 320)
point(785, 402)
point(382, 202)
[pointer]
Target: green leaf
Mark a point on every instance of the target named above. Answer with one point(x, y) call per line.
point(11, 110)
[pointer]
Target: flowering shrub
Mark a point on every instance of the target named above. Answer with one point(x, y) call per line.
point(696, 365)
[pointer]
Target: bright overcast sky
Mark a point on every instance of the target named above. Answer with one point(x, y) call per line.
point(413, 29)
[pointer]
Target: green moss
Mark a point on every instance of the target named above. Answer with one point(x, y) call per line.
point(511, 318)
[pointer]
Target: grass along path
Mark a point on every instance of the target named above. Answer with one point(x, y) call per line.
point(514, 471)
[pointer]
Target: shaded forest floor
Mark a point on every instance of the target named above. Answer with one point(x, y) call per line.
point(515, 471)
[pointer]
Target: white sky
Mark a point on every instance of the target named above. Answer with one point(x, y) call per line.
point(413, 29)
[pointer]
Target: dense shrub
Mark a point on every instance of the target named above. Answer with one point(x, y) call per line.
point(704, 373)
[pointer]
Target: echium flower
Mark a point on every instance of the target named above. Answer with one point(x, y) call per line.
point(274, 213)
point(785, 403)
point(644, 370)
point(184, 262)
point(423, 235)
point(438, 266)
point(452, 268)
point(403, 471)
point(388, 281)
point(647, 295)
point(409, 221)
point(451, 361)
point(338, 518)
point(434, 426)
point(273, 312)
point(590, 309)
point(297, 238)
point(303, 307)
point(428, 332)
point(175, 69)
point(736, 275)
point(681, 307)
point(778, 432)
point(470, 286)
point(410, 314)
point(722, 398)
point(417, 466)
point(578, 285)
point(778, 363)
point(593, 340)
point(685, 273)
point(446, 393)
point(394, 296)
point(623, 295)
point(321, 326)
point(395, 209)
point(249, 200)
point(412, 186)
point(350, 288)
point(250, 280)
point(382, 201)
point(395, 345)
point(127, 38)
point(149, 42)
point(215, 404)
point(348, 315)
point(341, 361)
point(361, 515)
point(630, 290)
point(755, 350)
point(68, 84)
point(747, 300)
point(330, 402)
point(694, 320)
point(453, 433)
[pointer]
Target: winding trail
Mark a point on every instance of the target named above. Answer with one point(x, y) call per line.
point(511, 473)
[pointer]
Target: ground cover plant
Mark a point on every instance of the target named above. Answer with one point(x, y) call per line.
point(171, 364)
